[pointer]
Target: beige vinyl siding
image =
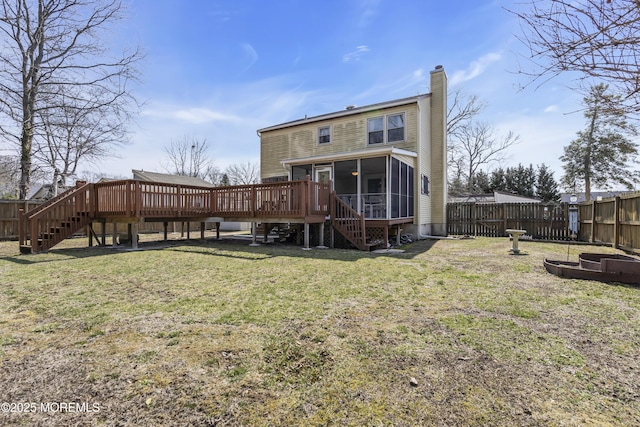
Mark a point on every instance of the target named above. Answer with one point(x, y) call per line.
point(423, 211)
point(410, 160)
point(439, 149)
point(348, 133)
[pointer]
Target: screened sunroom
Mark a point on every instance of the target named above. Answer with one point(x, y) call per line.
point(380, 187)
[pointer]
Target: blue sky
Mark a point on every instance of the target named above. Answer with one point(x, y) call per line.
point(220, 70)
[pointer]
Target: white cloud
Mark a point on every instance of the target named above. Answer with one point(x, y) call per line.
point(551, 109)
point(475, 69)
point(412, 83)
point(250, 53)
point(369, 11)
point(356, 54)
point(194, 115)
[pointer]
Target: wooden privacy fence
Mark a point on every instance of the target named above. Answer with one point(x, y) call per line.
point(614, 221)
point(9, 210)
point(542, 221)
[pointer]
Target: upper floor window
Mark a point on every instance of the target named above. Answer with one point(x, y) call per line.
point(395, 128)
point(386, 129)
point(376, 130)
point(324, 135)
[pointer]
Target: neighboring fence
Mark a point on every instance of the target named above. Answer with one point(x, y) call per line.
point(542, 221)
point(614, 221)
point(9, 216)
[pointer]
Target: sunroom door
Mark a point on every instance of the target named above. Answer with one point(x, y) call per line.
point(324, 174)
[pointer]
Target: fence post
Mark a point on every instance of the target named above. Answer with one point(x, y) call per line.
point(474, 220)
point(21, 234)
point(593, 221)
point(503, 232)
point(616, 222)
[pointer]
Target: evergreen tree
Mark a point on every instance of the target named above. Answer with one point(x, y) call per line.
point(546, 185)
point(480, 183)
point(603, 153)
point(498, 181)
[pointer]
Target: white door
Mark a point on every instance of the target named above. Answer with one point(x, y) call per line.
point(324, 174)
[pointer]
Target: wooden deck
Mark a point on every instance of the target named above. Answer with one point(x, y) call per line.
point(131, 201)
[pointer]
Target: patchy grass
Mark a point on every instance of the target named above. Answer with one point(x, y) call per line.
point(220, 333)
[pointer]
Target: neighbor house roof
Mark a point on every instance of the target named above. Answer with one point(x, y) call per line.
point(595, 195)
point(166, 178)
point(45, 191)
point(350, 110)
point(496, 197)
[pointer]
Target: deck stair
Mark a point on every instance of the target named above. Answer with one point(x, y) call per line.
point(349, 223)
point(56, 220)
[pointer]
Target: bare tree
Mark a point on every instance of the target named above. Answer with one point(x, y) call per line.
point(78, 129)
point(51, 47)
point(462, 110)
point(93, 176)
point(9, 172)
point(243, 173)
point(479, 146)
point(596, 38)
point(189, 156)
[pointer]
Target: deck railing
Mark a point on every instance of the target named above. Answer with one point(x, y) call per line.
point(290, 199)
point(128, 200)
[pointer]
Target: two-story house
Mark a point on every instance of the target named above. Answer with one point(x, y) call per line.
point(386, 161)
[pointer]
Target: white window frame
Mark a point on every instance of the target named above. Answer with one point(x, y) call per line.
point(385, 129)
point(330, 135)
point(404, 128)
point(369, 120)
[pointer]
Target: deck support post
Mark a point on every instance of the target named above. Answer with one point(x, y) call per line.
point(114, 241)
point(202, 229)
point(165, 225)
point(104, 233)
point(129, 233)
point(386, 236)
point(321, 242)
point(217, 231)
point(265, 233)
point(332, 237)
point(306, 237)
point(398, 239)
point(254, 232)
point(134, 235)
point(90, 234)
point(188, 230)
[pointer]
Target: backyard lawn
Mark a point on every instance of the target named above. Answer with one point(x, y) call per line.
point(448, 333)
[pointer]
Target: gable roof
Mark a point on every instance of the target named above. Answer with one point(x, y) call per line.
point(166, 178)
point(348, 112)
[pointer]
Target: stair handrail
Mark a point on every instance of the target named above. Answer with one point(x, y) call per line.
point(29, 221)
point(80, 185)
point(354, 217)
